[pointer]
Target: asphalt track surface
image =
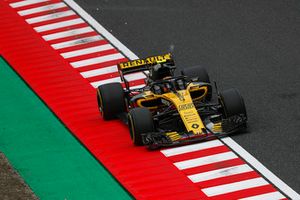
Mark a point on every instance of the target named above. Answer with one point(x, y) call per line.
point(250, 45)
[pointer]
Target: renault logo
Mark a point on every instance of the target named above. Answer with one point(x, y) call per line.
point(195, 126)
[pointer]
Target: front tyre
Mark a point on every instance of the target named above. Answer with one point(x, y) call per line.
point(196, 72)
point(111, 100)
point(140, 121)
point(232, 103)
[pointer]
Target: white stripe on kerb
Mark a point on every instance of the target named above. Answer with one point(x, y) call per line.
point(132, 77)
point(97, 72)
point(233, 187)
point(41, 9)
point(57, 25)
point(25, 3)
point(50, 17)
point(97, 60)
point(67, 33)
point(191, 148)
point(219, 173)
point(205, 160)
point(268, 196)
point(77, 42)
point(85, 51)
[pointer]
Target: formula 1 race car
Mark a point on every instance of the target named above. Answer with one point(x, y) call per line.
point(171, 110)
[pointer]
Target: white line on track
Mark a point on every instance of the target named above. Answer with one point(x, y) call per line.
point(56, 15)
point(42, 9)
point(64, 34)
point(57, 25)
point(228, 171)
point(25, 3)
point(268, 196)
point(97, 60)
point(76, 42)
point(85, 51)
point(232, 187)
point(236, 147)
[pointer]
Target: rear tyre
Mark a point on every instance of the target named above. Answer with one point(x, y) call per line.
point(111, 100)
point(232, 103)
point(140, 121)
point(201, 75)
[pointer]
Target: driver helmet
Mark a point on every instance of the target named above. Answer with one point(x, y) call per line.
point(160, 72)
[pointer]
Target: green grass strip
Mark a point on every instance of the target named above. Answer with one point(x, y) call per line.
point(52, 162)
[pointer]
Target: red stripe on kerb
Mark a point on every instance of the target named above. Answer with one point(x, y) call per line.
point(82, 46)
point(67, 28)
point(74, 37)
point(45, 12)
point(228, 179)
point(101, 65)
point(200, 153)
point(54, 20)
point(137, 82)
point(245, 193)
point(103, 77)
point(93, 55)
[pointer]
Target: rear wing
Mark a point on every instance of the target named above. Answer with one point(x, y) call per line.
point(140, 65)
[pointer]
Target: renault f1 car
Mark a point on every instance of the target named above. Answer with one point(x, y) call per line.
point(171, 110)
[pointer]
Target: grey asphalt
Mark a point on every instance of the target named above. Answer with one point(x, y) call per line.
point(253, 46)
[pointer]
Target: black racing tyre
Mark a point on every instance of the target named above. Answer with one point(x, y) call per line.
point(232, 103)
point(111, 100)
point(140, 121)
point(202, 76)
point(196, 72)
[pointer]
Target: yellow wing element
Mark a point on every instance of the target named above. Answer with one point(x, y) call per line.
point(217, 127)
point(147, 61)
point(173, 136)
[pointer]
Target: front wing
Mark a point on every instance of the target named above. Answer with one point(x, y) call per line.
point(221, 129)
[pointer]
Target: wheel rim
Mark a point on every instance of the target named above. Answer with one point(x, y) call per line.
point(100, 103)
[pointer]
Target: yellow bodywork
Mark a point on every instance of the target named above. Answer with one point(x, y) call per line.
point(183, 102)
point(173, 136)
point(188, 113)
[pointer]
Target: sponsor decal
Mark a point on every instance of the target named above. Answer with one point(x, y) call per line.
point(148, 61)
point(185, 106)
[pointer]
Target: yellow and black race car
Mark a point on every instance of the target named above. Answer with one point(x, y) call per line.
point(171, 110)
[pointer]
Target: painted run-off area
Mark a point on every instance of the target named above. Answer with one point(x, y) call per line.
point(52, 162)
